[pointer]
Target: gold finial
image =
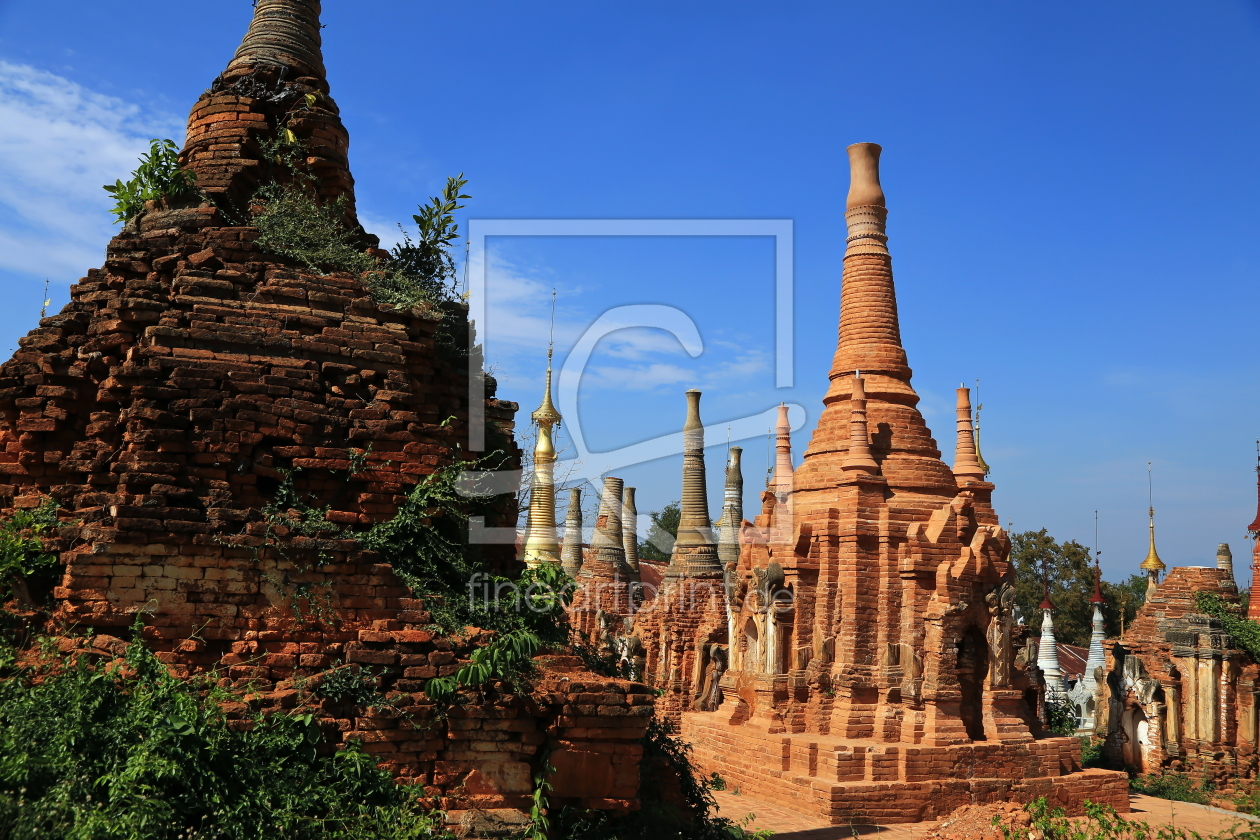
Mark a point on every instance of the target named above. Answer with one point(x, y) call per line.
point(547, 413)
point(1152, 563)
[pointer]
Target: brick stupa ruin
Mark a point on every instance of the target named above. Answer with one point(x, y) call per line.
point(163, 405)
point(871, 674)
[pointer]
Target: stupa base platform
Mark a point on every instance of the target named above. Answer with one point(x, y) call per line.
point(840, 780)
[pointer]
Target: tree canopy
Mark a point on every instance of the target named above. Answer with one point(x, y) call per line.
point(661, 536)
point(1070, 573)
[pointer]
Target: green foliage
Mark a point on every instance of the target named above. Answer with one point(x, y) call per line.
point(1071, 576)
point(26, 568)
point(427, 544)
point(663, 531)
point(505, 658)
point(1061, 718)
point(1101, 823)
point(295, 222)
point(1178, 787)
point(350, 684)
point(1092, 754)
point(91, 752)
point(1245, 632)
point(663, 815)
point(424, 269)
point(157, 176)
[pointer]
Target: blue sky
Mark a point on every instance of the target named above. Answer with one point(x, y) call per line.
point(1073, 193)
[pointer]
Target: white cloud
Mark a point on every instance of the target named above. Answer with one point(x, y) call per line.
point(59, 142)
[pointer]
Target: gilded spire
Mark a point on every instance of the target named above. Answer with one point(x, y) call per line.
point(695, 550)
point(541, 543)
point(966, 464)
point(1152, 563)
point(859, 458)
point(284, 34)
point(571, 557)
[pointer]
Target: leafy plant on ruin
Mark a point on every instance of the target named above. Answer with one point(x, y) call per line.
point(352, 684)
point(294, 221)
point(1244, 631)
point(91, 750)
point(505, 658)
point(1061, 717)
point(1178, 787)
point(158, 176)
point(27, 569)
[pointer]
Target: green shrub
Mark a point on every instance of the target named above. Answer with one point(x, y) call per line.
point(1175, 786)
point(1061, 717)
point(1244, 631)
point(27, 570)
point(157, 176)
point(88, 751)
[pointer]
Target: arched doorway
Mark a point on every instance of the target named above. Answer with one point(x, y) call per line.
point(1136, 732)
point(973, 668)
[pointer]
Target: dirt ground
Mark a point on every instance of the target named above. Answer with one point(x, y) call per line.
point(788, 825)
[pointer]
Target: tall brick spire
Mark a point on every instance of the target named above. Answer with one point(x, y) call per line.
point(275, 83)
point(284, 34)
point(870, 342)
point(967, 465)
point(781, 481)
point(695, 550)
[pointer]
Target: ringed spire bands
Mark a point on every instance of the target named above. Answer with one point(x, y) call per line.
point(286, 34)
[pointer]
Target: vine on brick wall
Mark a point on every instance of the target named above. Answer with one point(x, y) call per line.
point(1244, 631)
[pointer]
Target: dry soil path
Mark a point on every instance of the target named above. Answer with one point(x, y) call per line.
point(789, 825)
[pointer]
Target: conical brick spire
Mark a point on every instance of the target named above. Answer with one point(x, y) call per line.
point(274, 89)
point(967, 466)
point(870, 342)
point(732, 509)
point(859, 458)
point(695, 550)
point(571, 556)
point(284, 34)
point(606, 559)
point(630, 531)
point(781, 482)
point(1225, 560)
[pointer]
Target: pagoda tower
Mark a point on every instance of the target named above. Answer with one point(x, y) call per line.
point(872, 615)
point(195, 375)
point(1152, 565)
point(542, 544)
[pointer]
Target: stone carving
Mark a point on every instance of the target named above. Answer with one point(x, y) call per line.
point(1001, 604)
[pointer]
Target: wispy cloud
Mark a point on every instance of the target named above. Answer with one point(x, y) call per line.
point(59, 142)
